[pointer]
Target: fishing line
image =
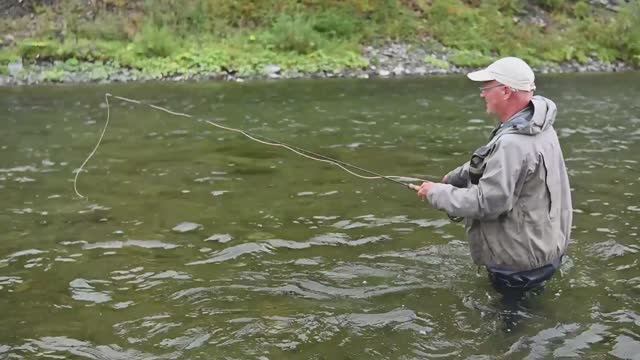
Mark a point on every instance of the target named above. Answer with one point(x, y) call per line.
point(260, 139)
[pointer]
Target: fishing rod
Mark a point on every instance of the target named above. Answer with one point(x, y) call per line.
point(377, 175)
point(260, 139)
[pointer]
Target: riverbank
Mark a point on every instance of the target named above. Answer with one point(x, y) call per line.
point(74, 41)
point(391, 60)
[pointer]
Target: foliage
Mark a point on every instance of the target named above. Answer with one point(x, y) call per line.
point(553, 4)
point(470, 58)
point(53, 75)
point(582, 10)
point(106, 26)
point(435, 62)
point(155, 41)
point(294, 33)
point(172, 37)
point(334, 24)
point(37, 50)
point(7, 57)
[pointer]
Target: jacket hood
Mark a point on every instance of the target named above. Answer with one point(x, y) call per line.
point(533, 120)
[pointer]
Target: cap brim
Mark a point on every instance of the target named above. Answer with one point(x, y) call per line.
point(481, 75)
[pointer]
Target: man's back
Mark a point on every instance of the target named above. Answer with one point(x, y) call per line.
point(518, 215)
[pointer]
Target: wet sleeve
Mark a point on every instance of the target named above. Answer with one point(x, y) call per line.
point(459, 176)
point(495, 192)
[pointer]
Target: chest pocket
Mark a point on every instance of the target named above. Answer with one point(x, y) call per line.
point(477, 163)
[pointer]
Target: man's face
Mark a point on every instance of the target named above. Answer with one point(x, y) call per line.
point(493, 94)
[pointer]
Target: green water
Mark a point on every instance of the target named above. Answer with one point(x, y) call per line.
point(294, 258)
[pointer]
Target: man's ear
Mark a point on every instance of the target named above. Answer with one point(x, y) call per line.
point(508, 92)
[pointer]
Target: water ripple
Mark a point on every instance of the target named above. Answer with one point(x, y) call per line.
point(117, 244)
point(68, 346)
point(234, 252)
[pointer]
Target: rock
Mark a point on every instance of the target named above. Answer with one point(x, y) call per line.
point(421, 70)
point(398, 70)
point(8, 40)
point(384, 73)
point(271, 70)
point(186, 227)
point(306, 262)
point(221, 238)
point(15, 68)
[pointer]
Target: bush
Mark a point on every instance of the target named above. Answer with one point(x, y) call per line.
point(106, 26)
point(626, 32)
point(336, 24)
point(435, 62)
point(8, 56)
point(156, 42)
point(553, 4)
point(456, 25)
point(472, 59)
point(582, 10)
point(32, 50)
point(294, 33)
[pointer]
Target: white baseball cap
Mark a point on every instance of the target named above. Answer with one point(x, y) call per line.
point(510, 71)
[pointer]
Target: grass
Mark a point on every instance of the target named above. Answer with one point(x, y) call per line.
point(165, 37)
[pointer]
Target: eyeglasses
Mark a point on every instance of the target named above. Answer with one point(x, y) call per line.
point(483, 88)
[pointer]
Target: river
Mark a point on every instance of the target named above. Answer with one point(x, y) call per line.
point(198, 243)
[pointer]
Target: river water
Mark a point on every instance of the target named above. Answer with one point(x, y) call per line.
point(198, 243)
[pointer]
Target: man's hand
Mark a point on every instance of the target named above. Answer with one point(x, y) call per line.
point(424, 189)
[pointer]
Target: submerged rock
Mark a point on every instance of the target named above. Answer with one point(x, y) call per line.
point(221, 238)
point(186, 227)
point(611, 249)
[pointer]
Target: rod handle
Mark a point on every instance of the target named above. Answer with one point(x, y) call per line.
point(413, 187)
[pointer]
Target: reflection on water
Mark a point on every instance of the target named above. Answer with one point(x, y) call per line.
point(196, 243)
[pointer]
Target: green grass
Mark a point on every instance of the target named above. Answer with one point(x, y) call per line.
point(166, 37)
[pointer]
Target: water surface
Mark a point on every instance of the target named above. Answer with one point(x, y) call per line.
point(198, 243)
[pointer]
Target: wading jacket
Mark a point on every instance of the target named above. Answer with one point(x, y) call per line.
point(514, 193)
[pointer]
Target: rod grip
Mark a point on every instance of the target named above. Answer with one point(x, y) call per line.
point(413, 187)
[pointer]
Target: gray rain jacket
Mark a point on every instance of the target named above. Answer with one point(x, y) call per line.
point(518, 215)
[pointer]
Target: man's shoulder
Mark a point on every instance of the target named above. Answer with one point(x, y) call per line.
point(514, 139)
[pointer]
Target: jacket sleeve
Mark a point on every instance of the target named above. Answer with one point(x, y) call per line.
point(459, 176)
point(494, 194)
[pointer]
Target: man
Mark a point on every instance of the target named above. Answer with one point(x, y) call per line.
point(514, 192)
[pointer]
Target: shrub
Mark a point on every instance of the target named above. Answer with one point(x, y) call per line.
point(553, 4)
point(156, 42)
point(294, 33)
point(468, 58)
point(435, 62)
point(336, 24)
point(106, 26)
point(31, 50)
point(582, 10)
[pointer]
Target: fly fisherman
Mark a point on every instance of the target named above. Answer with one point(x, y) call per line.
point(514, 192)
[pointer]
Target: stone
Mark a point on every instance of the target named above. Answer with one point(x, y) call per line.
point(221, 238)
point(15, 68)
point(420, 71)
point(398, 70)
point(271, 70)
point(8, 40)
point(186, 227)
